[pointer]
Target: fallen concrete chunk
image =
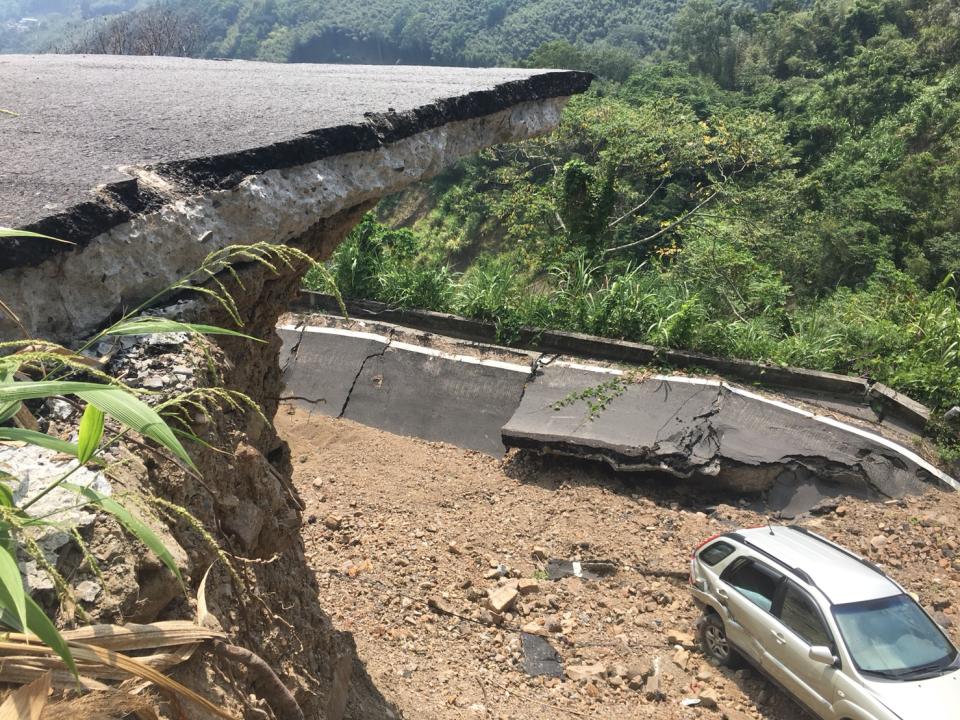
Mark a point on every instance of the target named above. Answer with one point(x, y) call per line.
point(540, 657)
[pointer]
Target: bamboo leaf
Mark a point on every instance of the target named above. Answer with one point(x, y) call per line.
point(6, 493)
point(10, 232)
point(38, 438)
point(149, 326)
point(134, 525)
point(27, 702)
point(12, 594)
point(91, 432)
point(114, 401)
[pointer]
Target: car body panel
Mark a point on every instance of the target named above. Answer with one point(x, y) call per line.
point(838, 692)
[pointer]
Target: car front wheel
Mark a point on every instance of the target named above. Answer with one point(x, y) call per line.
point(713, 640)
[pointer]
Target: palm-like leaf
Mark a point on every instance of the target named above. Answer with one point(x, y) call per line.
point(114, 401)
point(38, 438)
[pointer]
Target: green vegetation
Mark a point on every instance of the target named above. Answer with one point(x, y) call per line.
point(780, 186)
point(448, 32)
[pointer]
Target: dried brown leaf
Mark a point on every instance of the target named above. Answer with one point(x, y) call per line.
point(27, 703)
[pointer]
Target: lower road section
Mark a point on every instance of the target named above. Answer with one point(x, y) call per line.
point(691, 428)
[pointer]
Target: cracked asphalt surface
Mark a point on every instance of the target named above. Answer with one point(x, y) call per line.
point(81, 119)
point(634, 419)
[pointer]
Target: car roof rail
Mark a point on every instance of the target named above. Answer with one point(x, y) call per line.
point(799, 572)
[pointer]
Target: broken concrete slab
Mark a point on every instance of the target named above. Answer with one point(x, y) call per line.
point(698, 427)
point(430, 395)
point(540, 658)
point(407, 389)
point(146, 187)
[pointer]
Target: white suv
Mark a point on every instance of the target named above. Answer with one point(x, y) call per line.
point(846, 641)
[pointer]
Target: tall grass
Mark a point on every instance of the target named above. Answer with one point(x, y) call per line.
point(713, 298)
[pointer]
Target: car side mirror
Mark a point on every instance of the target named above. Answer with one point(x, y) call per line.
point(822, 654)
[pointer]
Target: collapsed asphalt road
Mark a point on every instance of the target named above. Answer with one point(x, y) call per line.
point(147, 165)
point(490, 398)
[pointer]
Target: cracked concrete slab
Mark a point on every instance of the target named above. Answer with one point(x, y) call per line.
point(701, 428)
point(436, 397)
point(403, 388)
point(321, 369)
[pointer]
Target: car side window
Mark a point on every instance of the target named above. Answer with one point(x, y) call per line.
point(755, 581)
point(712, 554)
point(799, 613)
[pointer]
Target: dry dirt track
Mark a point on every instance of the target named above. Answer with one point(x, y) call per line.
point(394, 523)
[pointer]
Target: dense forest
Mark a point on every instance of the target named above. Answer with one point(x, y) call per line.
point(780, 185)
point(449, 32)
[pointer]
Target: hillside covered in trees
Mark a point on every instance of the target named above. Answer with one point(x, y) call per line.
point(437, 32)
point(779, 185)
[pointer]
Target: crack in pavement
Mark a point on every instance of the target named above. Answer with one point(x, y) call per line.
point(294, 351)
point(363, 364)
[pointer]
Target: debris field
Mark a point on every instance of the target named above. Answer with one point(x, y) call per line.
point(536, 587)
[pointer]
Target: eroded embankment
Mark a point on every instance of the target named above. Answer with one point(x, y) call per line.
point(294, 166)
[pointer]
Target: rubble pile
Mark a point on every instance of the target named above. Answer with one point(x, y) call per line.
point(439, 561)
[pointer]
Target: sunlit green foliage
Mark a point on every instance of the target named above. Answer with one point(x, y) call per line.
point(780, 186)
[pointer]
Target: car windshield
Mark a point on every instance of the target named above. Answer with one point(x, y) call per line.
point(893, 637)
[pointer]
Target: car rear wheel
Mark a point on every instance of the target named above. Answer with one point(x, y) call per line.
point(713, 640)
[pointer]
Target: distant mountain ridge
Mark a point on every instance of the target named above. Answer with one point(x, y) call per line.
point(443, 32)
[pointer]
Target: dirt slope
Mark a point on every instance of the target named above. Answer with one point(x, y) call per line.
point(395, 524)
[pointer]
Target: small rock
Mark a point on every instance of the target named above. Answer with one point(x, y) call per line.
point(488, 617)
point(708, 698)
point(87, 591)
point(333, 522)
point(942, 619)
point(502, 598)
point(678, 637)
point(527, 586)
point(539, 552)
point(586, 672)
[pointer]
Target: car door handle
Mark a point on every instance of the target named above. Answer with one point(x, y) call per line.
point(722, 594)
point(778, 637)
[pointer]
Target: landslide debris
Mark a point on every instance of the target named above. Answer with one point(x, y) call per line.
point(431, 539)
